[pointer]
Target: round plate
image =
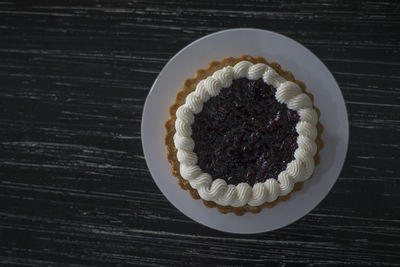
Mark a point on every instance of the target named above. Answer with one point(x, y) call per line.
point(291, 56)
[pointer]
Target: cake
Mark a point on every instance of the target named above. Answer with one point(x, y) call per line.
point(243, 135)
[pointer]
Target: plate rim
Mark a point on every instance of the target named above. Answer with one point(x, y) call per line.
point(171, 60)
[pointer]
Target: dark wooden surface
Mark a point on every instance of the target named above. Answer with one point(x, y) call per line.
point(74, 185)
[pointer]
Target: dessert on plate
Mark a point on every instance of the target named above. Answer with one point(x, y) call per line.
point(242, 135)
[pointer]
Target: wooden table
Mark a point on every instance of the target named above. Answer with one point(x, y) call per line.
point(74, 185)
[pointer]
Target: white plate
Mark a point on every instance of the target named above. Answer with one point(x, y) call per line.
point(293, 57)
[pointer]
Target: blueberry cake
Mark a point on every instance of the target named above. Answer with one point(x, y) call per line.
point(243, 134)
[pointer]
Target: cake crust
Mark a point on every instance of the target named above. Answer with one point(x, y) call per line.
point(189, 86)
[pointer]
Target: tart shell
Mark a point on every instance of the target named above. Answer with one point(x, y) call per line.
point(189, 86)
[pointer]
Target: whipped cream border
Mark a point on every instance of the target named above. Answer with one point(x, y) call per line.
point(298, 170)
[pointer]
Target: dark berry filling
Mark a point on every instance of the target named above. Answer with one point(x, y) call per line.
point(244, 134)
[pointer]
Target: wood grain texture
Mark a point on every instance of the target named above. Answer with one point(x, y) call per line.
point(74, 186)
